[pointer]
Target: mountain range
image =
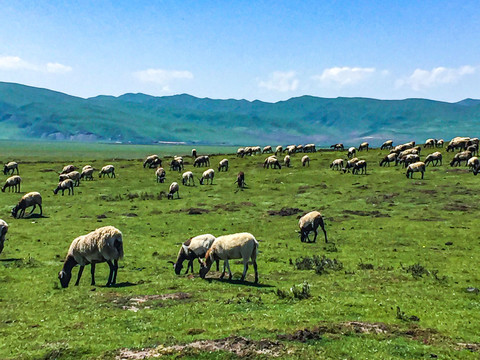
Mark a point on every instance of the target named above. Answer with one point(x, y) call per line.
point(33, 113)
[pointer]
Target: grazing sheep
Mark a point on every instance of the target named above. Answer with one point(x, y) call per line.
point(175, 165)
point(152, 161)
point(12, 181)
point(235, 246)
point(223, 165)
point(172, 190)
point(255, 150)
point(240, 180)
point(207, 175)
point(10, 168)
point(267, 149)
point(87, 174)
point(433, 158)
point(27, 200)
point(179, 160)
point(350, 164)
point(360, 167)
point(299, 148)
point(272, 162)
point(278, 149)
point(387, 145)
point(286, 161)
point(363, 146)
point(408, 159)
point(67, 168)
point(87, 167)
point(67, 184)
point(351, 152)
point(388, 159)
point(473, 163)
point(241, 152)
point(310, 222)
point(415, 167)
point(201, 161)
point(458, 143)
point(108, 170)
point(305, 161)
point(439, 143)
point(160, 174)
point(193, 248)
point(3, 232)
point(187, 176)
point(105, 244)
point(291, 149)
point(337, 164)
point(338, 146)
point(461, 156)
point(473, 149)
point(74, 175)
point(310, 148)
point(429, 143)
point(194, 153)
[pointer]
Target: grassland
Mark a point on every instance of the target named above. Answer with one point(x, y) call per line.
point(405, 252)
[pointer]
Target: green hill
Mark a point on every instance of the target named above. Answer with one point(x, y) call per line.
point(27, 112)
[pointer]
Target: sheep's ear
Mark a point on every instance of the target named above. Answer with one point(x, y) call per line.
point(4, 230)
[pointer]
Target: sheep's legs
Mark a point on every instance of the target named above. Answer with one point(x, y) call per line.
point(256, 271)
point(315, 237)
point(41, 211)
point(224, 268)
point(92, 271)
point(80, 271)
point(245, 268)
point(229, 271)
point(115, 264)
point(110, 276)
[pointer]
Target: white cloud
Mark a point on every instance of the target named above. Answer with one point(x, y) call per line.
point(58, 68)
point(281, 81)
point(422, 79)
point(163, 77)
point(15, 63)
point(344, 75)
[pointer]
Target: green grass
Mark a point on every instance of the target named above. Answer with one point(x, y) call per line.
point(378, 226)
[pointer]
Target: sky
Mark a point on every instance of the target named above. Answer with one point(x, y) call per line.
point(265, 50)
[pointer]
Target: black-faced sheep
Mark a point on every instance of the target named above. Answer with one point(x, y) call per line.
point(187, 177)
point(240, 180)
point(310, 222)
point(235, 246)
point(223, 165)
point(337, 164)
point(434, 158)
point(440, 143)
point(360, 167)
point(160, 175)
point(408, 159)
point(194, 153)
point(305, 160)
point(338, 146)
point(473, 149)
point(179, 160)
point(240, 152)
point(105, 244)
point(10, 168)
point(152, 161)
point(363, 146)
point(175, 165)
point(12, 181)
point(108, 170)
point(286, 161)
point(461, 156)
point(278, 149)
point(429, 143)
point(3, 232)
point(309, 148)
point(207, 175)
point(473, 163)
point(272, 162)
point(172, 190)
point(415, 167)
point(267, 149)
point(67, 184)
point(27, 200)
point(350, 164)
point(387, 145)
point(73, 175)
point(291, 149)
point(388, 159)
point(458, 143)
point(193, 248)
point(67, 168)
point(351, 152)
point(87, 173)
point(201, 161)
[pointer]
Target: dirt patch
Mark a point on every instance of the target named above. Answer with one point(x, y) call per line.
point(237, 345)
point(374, 213)
point(227, 207)
point(303, 189)
point(302, 335)
point(458, 206)
point(457, 170)
point(137, 303)
point(47, 170)
point(192, 211)
point(286, 211)
point(130, 215)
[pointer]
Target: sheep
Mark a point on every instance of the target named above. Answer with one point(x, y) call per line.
point(175, 165)
point(305, 161)
point(291, 149)
point(415, 167)
point(458, 143)
point(473, 149)
point(388, 159)
point(360, 165)
point(179, 160)
point(408, 159)
point(74, 175)
point(3, 232)
point(429, 143)
point(309, 148)
point(172, 190)
point(87, 173)
point(433, 158)
point(240, 180)
point(267, 149)
point(387, 145)
point(402, 147)
point(350, 164)
point(107, 170)
point(187, 176)
point(223, 165)
point(234, 246)
point(68, 168)
point(286, 161)
point(336, 164)
point(194, 153)
point(27, 200)
point(439, 143)
point(363, 146)
point(272, 162)
point(473, 163)
point(461, 156)
point(241, 152)
point(338, 146)
point(10, 168)
point(67, 184)
point(160, 174)
point(406, 152)
point(152, 161)
point(207, 174)
point(351, 151)
point(278, 149)
point(255, 150)
point(310, 222)
point(201, 161)
point(299, 148)
point(194, 248)
point(104, 244)
point(12, 181)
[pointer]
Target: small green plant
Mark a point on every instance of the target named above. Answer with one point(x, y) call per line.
point(321, 265)
point(301, 291)
point(404, 317)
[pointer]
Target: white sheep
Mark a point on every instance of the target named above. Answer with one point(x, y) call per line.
point(473, 163)
point(350, 164)
point(336, 164)
point(351, 151)
point(193, 248)
point(310, 222)
point(429, 143)
point(87, 173)
point(108, 170)
point(415, 167)
point(461, 156)
point(267, 149)
point(387, 145)
point(286, 161)
point(240, 152)
point(10, 168)
point(73, 175)
point(160, 174)
point(291, 149)
point(27, 200)
point(363, 146)
point(305, 160)
point(3, 232)
point(440, 143)
point(278, 149)
point(87, 167)
point(434, 158)
point(67, 168)
point(207, 175)
point(309, 148)
point(223, 165)
point(360, 167)
point(187, 177)
point(388, 159)
point(105, 244)
point(12, 181)
point(235, 246)
point(152, 161)
point(338, 146)
point(272, 162)
point(67, 184)
point(174, 187)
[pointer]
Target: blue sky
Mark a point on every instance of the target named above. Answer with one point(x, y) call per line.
point(266, 50)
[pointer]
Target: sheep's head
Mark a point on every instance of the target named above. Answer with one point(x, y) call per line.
point(64, 278)
point(5, 169)
point(15, 211)
point(203, 270)
point(177, 267)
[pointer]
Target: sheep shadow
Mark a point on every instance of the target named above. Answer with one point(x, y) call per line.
point(10, 259)
point(34, 216)
point(122, 285)
point(240, 282)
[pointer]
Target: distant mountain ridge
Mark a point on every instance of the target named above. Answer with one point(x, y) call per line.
point(33, 113)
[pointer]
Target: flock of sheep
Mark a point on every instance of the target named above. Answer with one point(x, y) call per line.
point(105, 244)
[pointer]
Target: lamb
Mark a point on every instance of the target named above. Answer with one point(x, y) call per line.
point(434, 158)
point(338, 146)
point(67, 168)
point(87, 173)
point(160, 174)
point(193, 248)
point(172, 190)
point(337, 164)
point(473, 163)
point(223, 165)
point(207, 174)
point(387, 145)
point(415, 167)
point(363, 146)
point(152, 161)
point(305, 161)
point(278, 149)
point(388, 159)
point(12, 181)
point(272, 162)
point(3, 232)
point(429, 143)
point(286, 161)
point(267, 149)
point(104, 244)
point(310, 222)
point(234, 246)
point(74, 175)
point(67, 184)
point(461, 156)
point(309, 148)
point(27, 200)
point(187, 176)
point(10, 168)
point(351, 151)
point(240, 180)
point(360, 165)
point(108, 170)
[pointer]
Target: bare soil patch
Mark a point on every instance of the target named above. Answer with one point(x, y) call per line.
point(374, 213)
point(458, 206)
point(139, 302)
point(285, 211)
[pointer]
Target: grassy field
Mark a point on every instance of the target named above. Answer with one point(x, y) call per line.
point(392, 284)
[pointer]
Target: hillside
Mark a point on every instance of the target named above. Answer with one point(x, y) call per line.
point(33, 113)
